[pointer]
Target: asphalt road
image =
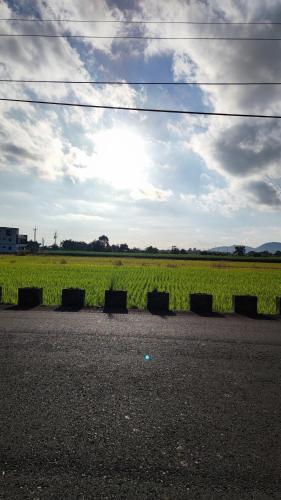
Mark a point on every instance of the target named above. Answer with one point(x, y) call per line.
point(84, 415)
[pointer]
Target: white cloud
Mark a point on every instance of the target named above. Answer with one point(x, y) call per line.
point(90, 206)
point(236, 148)
point(78, 217)
point(251, 195)
point(30, 147)
point(42, 140)
point(226, 201)
point(151, 193)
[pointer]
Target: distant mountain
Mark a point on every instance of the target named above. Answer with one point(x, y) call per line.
point(271, 247)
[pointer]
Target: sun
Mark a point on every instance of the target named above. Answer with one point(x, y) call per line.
point(121, 158)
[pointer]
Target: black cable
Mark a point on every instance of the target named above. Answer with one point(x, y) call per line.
point(127, 21)
point(136, 37)
point(102, 82)
point(151, 110)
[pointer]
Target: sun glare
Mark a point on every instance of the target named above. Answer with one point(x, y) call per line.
point(121, 158)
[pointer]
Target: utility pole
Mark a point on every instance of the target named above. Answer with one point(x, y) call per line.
point(35, 230)
point(43, 242)
point(55, 237)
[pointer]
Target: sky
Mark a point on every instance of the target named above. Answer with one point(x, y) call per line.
point(141, 178)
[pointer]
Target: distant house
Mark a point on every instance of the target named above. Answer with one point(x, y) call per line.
point(11, 241)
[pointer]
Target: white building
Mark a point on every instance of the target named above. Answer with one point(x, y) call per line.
point(11, 241)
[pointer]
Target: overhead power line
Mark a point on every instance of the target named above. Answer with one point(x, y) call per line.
point(137, 37)
point(150, 110)
point(105, 82)
point(128, 21)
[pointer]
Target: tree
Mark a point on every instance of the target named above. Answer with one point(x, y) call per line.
point(96, 246)
point(104, 240)
point(73, 245)
point(124, 247)
point(239, 250)
point(115, 248)
point(32, 246)
point(175, 250)
point(151, 249)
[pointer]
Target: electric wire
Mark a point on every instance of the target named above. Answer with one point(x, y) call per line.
point(106, 82)
point(128, 21)
point(150, 110)
point(137, 37)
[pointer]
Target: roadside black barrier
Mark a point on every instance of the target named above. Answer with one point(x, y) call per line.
point(245, 304)
point(201, 303)
point(73, 298)
point(278, 305)
point(115, 301)
point(158, 302)
point(30, 297)
point(0, 294)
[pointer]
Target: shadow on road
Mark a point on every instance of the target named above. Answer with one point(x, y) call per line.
point(161, 313)
point(110, 311)
point(68, 309)
point(209, 315)
point(267, 317)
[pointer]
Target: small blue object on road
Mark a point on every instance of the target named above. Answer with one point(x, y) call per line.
point(147, 357)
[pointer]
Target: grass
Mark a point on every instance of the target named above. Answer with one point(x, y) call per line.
point(138, 276)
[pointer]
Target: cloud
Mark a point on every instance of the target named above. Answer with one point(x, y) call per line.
point(78, 217)
point(251, 194)
point(241, 149)
point(10, 150)
point(38, 148)
point(236, 148)
point(54, 142)
point(225, 201)
point(265, 193)
point(151, 193)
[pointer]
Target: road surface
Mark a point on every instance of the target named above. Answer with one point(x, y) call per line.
point(139, 406)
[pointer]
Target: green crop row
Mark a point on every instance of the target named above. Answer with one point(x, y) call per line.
point(179, 281)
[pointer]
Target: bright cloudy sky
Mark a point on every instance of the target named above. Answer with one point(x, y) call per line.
point(141, 178)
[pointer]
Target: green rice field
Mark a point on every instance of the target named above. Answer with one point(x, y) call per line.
point(138, 276)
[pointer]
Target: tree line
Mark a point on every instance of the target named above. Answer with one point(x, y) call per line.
point(101, 244)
